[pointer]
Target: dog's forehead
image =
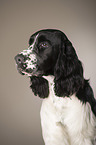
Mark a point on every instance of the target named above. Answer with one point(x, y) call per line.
point(43, 35)
point(28, 51)
point(35, 39)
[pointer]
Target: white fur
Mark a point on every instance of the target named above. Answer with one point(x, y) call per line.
point(66, 121)
point(30, 48)
point(32, 61)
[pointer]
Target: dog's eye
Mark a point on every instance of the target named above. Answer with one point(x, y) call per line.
point(43, 45)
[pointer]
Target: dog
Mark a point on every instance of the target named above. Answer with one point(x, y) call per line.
point(68, 111)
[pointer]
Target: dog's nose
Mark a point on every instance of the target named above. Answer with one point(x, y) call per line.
point(19, 59)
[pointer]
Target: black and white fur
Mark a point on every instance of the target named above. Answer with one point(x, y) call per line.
point(68, 112)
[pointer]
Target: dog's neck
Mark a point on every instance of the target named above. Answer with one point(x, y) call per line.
point(50, 78)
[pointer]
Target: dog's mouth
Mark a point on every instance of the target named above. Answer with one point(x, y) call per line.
point(28, 67)
point(23, 70)
point(25, 65)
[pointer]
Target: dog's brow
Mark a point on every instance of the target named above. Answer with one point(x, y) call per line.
point(31, 46)
point(29, 49)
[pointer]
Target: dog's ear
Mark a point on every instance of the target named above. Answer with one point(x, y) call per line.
point(68, 71)
point(39, 86)
point(86, 94)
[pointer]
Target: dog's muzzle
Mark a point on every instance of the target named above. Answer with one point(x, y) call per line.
point(26, 64)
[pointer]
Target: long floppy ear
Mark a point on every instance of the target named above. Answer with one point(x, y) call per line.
point(68, 71)
point(39, 86)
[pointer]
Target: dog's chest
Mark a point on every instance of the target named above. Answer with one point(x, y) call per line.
point(61, 105)
point(68, 111)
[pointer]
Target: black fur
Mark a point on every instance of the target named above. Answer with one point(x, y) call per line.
point(39, 86)
point(85, 94)
point(59, 58)
point(68, 71)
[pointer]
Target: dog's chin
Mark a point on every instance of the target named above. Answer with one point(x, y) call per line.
point(30, 72)
point(20, 71)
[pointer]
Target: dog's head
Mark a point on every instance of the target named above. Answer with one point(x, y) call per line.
point(51, 53)
point(41, 55)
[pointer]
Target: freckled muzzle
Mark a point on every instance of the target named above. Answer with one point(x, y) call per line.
point(26, 62)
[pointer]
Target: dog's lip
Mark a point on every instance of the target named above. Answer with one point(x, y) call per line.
point(20, 70)
point(24, 72)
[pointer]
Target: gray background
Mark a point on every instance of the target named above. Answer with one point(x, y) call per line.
point(19, 108)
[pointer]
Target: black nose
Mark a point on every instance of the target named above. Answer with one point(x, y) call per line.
point(19, 58)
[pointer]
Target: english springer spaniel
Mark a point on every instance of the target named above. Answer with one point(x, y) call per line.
point(68, 112)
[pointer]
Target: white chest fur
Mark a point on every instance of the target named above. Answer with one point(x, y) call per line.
point(66, 121)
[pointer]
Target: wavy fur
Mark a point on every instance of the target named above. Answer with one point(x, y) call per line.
point(68, 112)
